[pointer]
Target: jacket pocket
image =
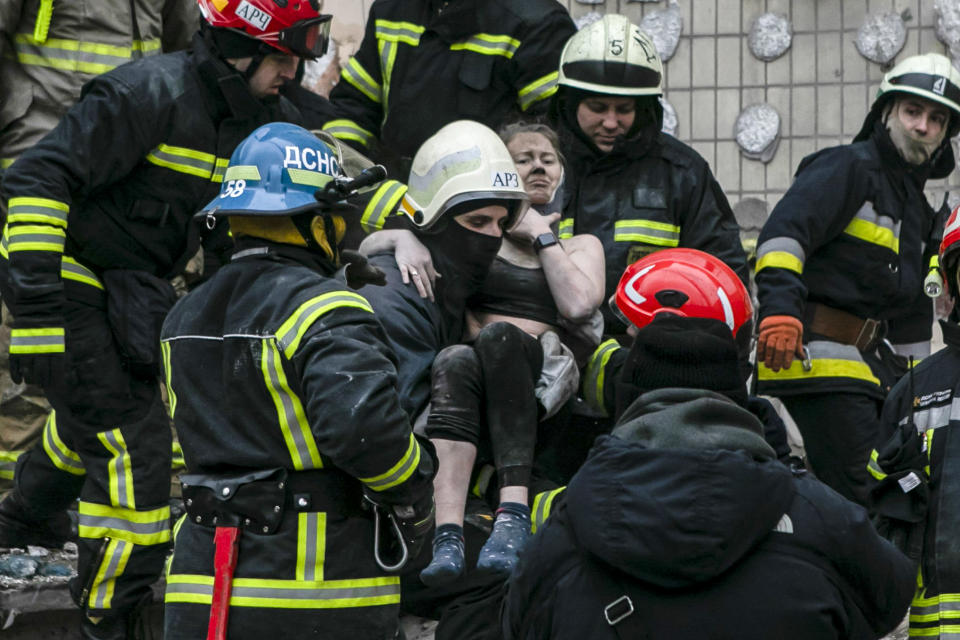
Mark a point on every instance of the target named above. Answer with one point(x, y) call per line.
point(476, 74)
point(149, 211)
point(648, 221)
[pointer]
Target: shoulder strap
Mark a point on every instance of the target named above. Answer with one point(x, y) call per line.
point(616, 608)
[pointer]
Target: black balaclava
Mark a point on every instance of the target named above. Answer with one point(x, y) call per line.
point(463, 257)
point(646, 124)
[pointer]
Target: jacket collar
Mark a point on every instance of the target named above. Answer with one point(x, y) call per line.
point(228, 93)
point(249, 248)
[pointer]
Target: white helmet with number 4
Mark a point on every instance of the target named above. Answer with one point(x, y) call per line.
point(461, 163)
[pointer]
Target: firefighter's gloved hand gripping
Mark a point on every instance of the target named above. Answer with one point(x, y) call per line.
point(37, 353)
point(780, 340)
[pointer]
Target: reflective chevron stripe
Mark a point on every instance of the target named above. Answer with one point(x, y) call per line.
point(291, 417)
point(144, 528)
point(381, 204)
point(348, 130)
point(288, 594)
point(70, 269)
point(114, 562)
point(399, 472)
point(872, 227)
point(293, 329)
point(189, 161)
point(488, 44)
point(405, 32)
point(354, 73)
point(62, 456)
point(35, 238)
point(38, 211)
point(77, 56)
point(539, 89)
point(33, 341)
point(647, 231)
point(119, 469)
point(782, 253)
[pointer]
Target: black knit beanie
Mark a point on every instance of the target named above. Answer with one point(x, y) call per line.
point(674, 351)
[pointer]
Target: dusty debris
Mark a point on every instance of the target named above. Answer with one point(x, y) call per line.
point(770, 36)
point(664, 27)
point(757, 131)
point(881, 37)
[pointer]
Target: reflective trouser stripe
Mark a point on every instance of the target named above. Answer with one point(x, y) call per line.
point(648, 231)
point(872, 227)
point(288, 594)
point(35, 238)
point(293, 328)
point(399, 472)
point(943, 609)
point(566, 228)
point(827, 360)
point(489, 45)
point(38, 210)
point(292, 419)
point(34, 341)
point(115, 559)
point(354, 73)
point(168, 376)
point(60, 454)
point(383, 202)
point(70, 269)
point(8, 462)
point(311, 545)
point(593, 379)
point(873, 466)
point(177, 462)
point(119, 469)
point(74, 55)
point(542, 503)
point(782, 253)
point(539, 89)
point(348, 130)
point(189, 161)
point(143, 528)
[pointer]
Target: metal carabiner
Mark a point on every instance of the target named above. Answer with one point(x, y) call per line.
point(806, 362)
point(376, 540)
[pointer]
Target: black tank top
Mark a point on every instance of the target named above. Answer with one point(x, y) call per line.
point(511, 290)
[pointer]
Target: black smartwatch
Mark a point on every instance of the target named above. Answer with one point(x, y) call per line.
point(545, 240)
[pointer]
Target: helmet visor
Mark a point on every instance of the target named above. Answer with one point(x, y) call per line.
point(307, 38)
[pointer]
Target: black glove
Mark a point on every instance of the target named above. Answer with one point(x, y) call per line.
point(415, 523)
point(31, 359)
point(359, 271)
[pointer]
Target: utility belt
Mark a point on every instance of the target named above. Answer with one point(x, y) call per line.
point(257, 501)
point(839, 326)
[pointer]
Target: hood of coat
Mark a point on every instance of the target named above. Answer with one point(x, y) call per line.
point(681, 491)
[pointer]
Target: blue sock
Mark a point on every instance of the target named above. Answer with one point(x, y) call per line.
point(447, 564)
point(511, 530)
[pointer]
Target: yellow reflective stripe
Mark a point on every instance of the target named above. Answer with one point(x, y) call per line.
point(874, 466)
point(176, 457)
point(593, 378)
point(821, 368)
point(381, 204)
point(541, 508)
point(111, 567)
point(28, 237)
point(119, 469)
point(309, 178)
point(539, 89)
point(291, 332)
point(648, 231)
point(311, 545)
point(168, 376)
point(62, 456)
point(288, 594)
point(74, 55)
point(398, 473)
point(41, 210)
point(406, 32)
point(70, 269)
point(6, 162)
point(143, 528)
point(8, 462)
point(41, 340)
point(566, 229)
point(189, 161)
point(873, 233)
point(489, 44)
point(41, 27)
point(290, 414)
point(934, 261)
point(483, 480)
point(356, 75)
point(388, 57)
point(348, 130)
point(147, 46)
point(780, 260)
point(242, 172)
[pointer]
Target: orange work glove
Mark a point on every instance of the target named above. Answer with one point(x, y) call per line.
point(781, 337)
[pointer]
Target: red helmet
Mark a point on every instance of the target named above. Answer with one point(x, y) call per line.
point(951, 238)
point(686, 282)
point(295, 27)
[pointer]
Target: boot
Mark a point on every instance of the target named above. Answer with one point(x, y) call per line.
point(107, 628)
point(447, 563)
point(21, 526)
point(511, 530)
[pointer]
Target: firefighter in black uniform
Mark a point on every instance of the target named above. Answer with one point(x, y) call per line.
point(635, 188)
point(482, 60)
point(283, 392)
point(99, 215)
point(842, 253)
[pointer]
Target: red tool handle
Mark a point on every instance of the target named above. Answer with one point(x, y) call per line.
point(227, 541)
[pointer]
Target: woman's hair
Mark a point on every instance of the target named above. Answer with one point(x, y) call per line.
point(509, 131)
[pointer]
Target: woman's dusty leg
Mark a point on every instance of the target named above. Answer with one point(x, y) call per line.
point(452, 481)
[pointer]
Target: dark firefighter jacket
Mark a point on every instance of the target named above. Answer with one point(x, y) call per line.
point(688, 515)
point(642, 197)
point(272, 366)
point(425, 63)
point(115, 184)
point(417, 330)
point(929, 513)
point(851, 233)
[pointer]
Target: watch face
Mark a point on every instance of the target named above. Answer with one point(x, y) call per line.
point(545, 240)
